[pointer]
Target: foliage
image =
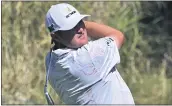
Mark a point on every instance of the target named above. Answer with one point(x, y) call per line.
point(25, 42)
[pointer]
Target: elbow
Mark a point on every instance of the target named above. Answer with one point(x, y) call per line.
point(122, 38)
point(119, 37)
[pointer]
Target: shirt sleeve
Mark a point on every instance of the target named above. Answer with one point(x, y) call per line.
point(104, 49)
point(96, 59)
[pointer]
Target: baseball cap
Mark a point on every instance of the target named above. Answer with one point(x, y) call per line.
point(62, 16)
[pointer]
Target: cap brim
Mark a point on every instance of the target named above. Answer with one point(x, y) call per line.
point(73, 22)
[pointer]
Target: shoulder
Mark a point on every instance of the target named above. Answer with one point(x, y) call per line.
point(56, 55)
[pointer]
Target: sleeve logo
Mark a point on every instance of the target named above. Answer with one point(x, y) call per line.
point(108, 41)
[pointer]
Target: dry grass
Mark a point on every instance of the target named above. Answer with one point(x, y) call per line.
point(25, 42)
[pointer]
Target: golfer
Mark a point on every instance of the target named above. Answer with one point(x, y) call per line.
point(82, 71)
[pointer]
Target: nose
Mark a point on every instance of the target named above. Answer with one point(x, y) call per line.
point(81, 31)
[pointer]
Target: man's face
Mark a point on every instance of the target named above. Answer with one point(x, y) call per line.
point(74, 38)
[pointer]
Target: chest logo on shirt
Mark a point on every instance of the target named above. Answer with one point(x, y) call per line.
point(89, 70)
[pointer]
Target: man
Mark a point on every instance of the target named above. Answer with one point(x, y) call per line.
point(82, 71)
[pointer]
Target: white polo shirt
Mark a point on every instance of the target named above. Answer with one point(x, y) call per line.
point(88, 75)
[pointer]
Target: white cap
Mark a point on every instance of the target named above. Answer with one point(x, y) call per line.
point(62, 16)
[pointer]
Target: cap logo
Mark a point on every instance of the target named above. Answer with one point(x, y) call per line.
point(73, 12)
point(68, 9)
point(51, 28)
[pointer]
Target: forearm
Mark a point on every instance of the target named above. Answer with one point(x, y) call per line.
point(96, 31)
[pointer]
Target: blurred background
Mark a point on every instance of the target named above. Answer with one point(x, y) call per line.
point(146, 56)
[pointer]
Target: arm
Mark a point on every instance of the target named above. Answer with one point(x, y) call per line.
point(96, 31)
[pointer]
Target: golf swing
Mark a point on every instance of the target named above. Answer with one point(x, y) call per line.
point(81, 71)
